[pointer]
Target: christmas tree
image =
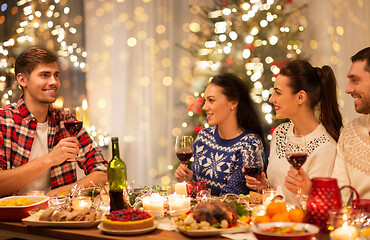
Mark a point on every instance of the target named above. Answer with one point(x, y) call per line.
point(250, 38)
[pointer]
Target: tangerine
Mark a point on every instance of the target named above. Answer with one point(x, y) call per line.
point(296, 215)
point(262, 219)
point(280, 217)
point(275, 208)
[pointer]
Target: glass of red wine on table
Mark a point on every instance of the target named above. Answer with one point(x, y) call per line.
point(73, 122)
point(183, 148)
point(296, 153)
point(253, 163)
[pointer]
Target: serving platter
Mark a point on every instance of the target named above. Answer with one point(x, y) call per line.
point(214, 232)
point(126, 232)
point(31, 221)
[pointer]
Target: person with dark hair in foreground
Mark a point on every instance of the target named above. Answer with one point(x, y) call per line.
point(34, 144)
point(299, 90)
point(234, 126)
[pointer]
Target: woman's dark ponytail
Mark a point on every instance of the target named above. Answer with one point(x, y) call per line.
point(330, 115)
point(321, 88)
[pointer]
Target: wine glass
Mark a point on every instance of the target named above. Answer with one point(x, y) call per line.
point(296, 153)
point(73, 121)
point(252, 163)
point(183, 148)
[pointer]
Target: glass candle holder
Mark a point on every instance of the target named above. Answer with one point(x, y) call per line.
point(154, 204)
point(80, 203)
point(268, 195)
point(341, 225)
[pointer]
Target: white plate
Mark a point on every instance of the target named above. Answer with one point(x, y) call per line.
point(215, 232)
point(126, 232)
point(30, 221)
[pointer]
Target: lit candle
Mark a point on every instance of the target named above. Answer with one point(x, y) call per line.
point(154, 204)
point(180, 188)
point(344, 233)
point(80, 203)
point(178, 204)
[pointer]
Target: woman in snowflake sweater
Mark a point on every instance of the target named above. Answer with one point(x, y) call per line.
point(299, 90)
point(234, 126)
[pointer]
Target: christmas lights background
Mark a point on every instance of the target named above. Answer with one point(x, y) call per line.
point(144, 61)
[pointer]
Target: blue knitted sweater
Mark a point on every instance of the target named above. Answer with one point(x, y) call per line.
point(217, 161)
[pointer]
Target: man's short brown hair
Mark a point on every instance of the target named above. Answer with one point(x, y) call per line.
point(363, 55)
point(28, 60)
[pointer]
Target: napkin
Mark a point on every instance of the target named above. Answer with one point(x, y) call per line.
point(165, 224)
point(240, 236)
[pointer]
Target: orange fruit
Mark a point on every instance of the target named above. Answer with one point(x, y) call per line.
point(262, 219)
point(296, 215)
point(275, 208)
point(280, 217)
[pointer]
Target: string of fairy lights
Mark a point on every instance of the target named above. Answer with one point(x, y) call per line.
point(48, 21)
point(257, 36)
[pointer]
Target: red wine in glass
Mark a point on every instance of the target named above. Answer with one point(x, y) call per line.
point(297, 159)
point(184, 157)
point(73, 127)
point(253, 170)
point(183, 148)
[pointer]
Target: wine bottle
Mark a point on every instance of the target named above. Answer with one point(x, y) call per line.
point(117, 179)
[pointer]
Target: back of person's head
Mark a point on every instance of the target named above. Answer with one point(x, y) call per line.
point(235, 89)
point(363, 55)
point(28, 60)
point(320, 86)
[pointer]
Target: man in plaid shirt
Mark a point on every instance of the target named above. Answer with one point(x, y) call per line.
point(34, 144)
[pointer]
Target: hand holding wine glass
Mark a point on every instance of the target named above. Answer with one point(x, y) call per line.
point(73, 121)
point(253, 164)
point(296, 153)
point(183, 148)
point(184, 151)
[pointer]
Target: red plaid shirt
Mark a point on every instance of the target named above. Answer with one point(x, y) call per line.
point(17, 131)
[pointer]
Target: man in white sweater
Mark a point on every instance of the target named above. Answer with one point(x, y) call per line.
point(352, 165)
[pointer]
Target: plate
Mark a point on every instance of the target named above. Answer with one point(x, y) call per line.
point(215, 232)
point(257, 229)
point(31, 221)
point(126, 232)
point(17, 213)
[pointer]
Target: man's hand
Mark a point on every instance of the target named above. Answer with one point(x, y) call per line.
point(183, 173)
point(67, 148)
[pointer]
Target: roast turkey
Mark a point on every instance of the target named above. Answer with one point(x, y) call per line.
point(214, 212)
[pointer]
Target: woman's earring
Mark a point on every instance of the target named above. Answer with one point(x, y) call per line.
point(231, 108)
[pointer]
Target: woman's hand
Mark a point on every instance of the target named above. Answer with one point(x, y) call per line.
point(296, 179)
point(257, 183)
point(183, 173)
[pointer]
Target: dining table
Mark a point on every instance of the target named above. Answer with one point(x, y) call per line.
point(21, 230)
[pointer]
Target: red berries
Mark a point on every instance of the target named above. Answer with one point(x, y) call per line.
point(126, 215)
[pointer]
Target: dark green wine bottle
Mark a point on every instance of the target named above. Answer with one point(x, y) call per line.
point(117, 179)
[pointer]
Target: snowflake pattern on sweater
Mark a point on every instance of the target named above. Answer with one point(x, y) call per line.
point(218, 163)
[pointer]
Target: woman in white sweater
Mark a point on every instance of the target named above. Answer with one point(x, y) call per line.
point(299, 90)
